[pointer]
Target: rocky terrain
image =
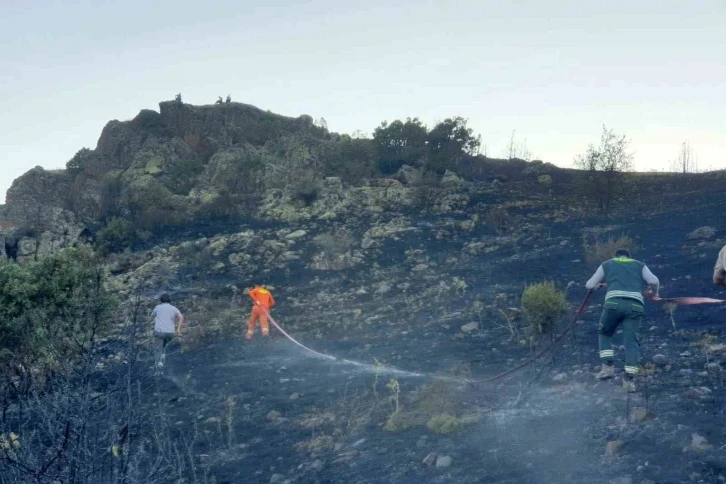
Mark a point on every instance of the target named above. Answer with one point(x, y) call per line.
point(420, 287)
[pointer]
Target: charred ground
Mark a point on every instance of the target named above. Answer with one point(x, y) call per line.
point(311, 420)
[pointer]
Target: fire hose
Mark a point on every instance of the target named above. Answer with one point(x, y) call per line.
point(274, 323)
point(557, 339)
point(539, 354)
point(687, 301)
point(496, 377)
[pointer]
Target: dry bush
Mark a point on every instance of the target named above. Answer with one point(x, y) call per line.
point(398, 421)
point(317, 419)
point(498, 219)
point(434, 398)
point(599, 250)
point(335, 250)
point(205, 324)
point(447, 423)
point(322, 443)
point(428, 192)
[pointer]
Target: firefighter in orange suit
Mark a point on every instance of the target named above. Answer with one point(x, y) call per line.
point(263, 302)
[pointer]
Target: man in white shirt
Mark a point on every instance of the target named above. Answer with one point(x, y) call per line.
point(166, 318)
point(719, 269)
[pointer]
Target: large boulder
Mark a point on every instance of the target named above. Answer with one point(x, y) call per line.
point(409, 175)
point(451, 180)
point(34, 192)
point(56, 229)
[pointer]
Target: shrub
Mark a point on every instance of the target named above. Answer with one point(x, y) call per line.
point(435, 398)
point(116, 236)
point(428, 192)
point(398, 421)
point(294, 165)
point(542, 305)
point(80, 160)
point(305, 190)
point(498, 219)
point(597, 251)
point(446, 423)
point(50, 310)
point(152, 206)
point(335, 250)
point(183, 174)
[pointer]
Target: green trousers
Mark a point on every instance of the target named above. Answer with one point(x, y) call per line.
point(629, 313)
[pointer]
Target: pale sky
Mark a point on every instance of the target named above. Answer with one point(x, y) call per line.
point(554, 71)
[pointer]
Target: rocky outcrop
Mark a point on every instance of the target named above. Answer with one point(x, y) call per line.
point(54, 229)
point(33, 193)
point(36, 219)
point(164, 162)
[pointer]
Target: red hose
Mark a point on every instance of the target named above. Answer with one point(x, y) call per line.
point(575, 317)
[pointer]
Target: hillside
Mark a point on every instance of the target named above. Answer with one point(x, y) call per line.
point(387, 270)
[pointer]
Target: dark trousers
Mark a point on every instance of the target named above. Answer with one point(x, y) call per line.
point(628, 313)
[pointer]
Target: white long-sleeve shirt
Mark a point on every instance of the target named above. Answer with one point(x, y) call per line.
point(599, 275)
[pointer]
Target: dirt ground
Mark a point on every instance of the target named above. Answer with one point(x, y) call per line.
point(300, 418)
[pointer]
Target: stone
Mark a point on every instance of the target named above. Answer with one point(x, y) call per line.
point(296, 234)
point(705, 232)
point(367, 243)
point(294, 396)
point(545, 180)
point(699, 443)
point(451, 179)
point(277, 479)
point(699, 393)
point(613, 447)
point(333, 185)
point(560, 377)
point(639, 415)
point(717, 349)
point(408, 174)
point(443, 461)
point(317, 465)
point(212, 420)
point(274, 415)
point(660, 360)
point(469, 327)
point(622, 480)
point(430, 459)
point(383, 288)
point(713, 367)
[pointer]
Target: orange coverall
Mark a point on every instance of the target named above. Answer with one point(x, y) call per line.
point(262, 299)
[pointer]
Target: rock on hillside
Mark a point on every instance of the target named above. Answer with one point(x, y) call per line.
point(170, 149)
point(147, 168)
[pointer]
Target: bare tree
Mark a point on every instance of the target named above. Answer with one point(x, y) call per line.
point(604, 167)
point(686, 161)
point(517, 149)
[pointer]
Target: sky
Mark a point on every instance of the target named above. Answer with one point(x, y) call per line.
point(554, 72)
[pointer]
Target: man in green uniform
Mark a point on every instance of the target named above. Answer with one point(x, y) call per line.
point(625, 279)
